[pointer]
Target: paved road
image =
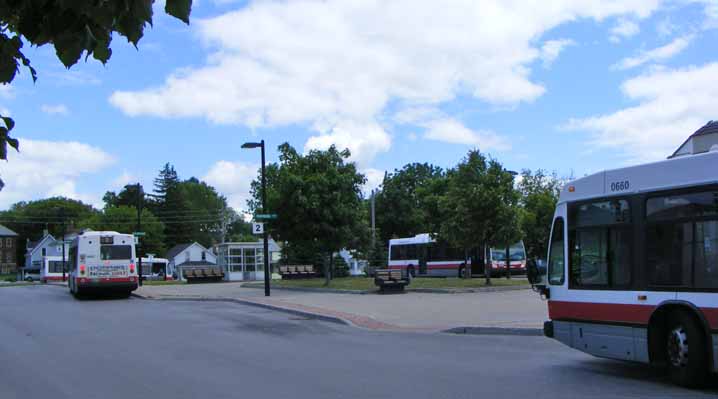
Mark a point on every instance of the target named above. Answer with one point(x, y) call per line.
point(52, 346)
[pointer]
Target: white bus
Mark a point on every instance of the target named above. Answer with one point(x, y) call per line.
point(102, 261)
point(633, 266)
point(155, 269)
point(423, 256)
point(51, 269)
point(496, 257)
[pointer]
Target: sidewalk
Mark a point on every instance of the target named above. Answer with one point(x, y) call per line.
point(517, 309)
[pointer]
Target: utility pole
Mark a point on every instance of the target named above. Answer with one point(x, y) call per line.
point(139, 229)
point(373, 217)
point(64, 267)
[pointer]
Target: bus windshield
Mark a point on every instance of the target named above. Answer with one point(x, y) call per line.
point(516, 252)
point(115, 252)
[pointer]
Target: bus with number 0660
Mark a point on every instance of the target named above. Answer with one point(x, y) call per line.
point(102, 262)
point(632, 268)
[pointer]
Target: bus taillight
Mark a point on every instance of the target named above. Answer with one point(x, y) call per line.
point(132, 268)
point(82, 270)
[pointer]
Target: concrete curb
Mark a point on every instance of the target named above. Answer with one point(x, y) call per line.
point(310, 315)
point(408, 289)
point(526, 332)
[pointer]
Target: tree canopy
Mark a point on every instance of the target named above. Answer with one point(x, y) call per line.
point(124, 219)
point(539, 195)
point(317, 198)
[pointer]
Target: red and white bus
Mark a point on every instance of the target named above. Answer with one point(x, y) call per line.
point(52, 269)
point(102, 262)
point(421, 255)
point(496, 257)
point(633, 266)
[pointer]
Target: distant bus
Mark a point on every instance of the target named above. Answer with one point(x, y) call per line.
point(423, 256)
point(155, 269)
point(102, 262)
point(51, 269)
point(496, 257)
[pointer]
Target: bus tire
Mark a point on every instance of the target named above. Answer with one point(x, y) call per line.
point(686, 351)
point(461, 271)
point(410, 271)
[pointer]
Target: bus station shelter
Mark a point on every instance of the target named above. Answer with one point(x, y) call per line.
point(244, 261)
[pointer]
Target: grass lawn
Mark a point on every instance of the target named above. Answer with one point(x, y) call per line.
point(365, 284)
point(12, 276)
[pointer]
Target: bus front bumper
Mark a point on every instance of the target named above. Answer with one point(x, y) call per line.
point(548, 329)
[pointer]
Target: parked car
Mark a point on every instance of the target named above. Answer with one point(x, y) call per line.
point(30, 277)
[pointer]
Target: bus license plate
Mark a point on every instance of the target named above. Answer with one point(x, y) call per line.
point(108, 271)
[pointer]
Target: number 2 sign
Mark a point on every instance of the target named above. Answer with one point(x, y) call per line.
point(257, 228)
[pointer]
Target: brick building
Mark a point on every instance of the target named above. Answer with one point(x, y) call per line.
point(8, 250)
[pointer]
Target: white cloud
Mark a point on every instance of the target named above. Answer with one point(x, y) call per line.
point(623, 29)
point(338, 63)
point(551, 49)
point(658, 54)
point(233, 179)
point(48, 168)
point(364, 141)
point(452, 131)
point(59, 109)
point(124, 179)
point(672, 104)
point(6, 92)
point(374, 179)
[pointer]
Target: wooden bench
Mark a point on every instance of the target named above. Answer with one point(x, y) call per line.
point(203, 274)
point(296, 271)
point(390, 280)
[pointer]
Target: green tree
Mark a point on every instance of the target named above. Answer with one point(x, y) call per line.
point(407, 202)
point(126, 197)
point(164, 182)
point(539, 195)
point(476, 204)
point(29, 218)
point(123, 219)
point(317, 198)
point(74, 28)
point(209, 211)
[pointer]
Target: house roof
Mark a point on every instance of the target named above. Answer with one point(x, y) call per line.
point(38, 244)
point(709, 128)
point(4, 231)
point(177, 249)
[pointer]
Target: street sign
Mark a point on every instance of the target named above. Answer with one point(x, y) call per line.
point(139, 234)
point(265, 216)
point(257, 228)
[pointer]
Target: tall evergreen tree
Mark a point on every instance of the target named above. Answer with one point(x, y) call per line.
point(166, 180)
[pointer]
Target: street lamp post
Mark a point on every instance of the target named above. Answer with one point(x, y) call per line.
point(508, 244)
point(267, 272)
point(139, 229)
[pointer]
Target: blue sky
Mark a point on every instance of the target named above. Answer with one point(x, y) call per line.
point(567, 86)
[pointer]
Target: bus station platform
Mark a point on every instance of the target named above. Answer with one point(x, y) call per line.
point(513, 310)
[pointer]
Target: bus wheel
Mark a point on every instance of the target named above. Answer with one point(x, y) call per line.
point(410, 272)
point(686, 351)
point(461, 271)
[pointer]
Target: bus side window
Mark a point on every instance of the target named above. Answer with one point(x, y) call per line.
point(556, 259)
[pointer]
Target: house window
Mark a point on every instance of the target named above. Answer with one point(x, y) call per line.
point(8, 243)
point(186, 256)
point(0, 242)
point(204, 256)
point(44, 251)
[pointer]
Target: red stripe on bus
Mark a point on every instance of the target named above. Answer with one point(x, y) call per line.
point(429, 267)
point(614, 312)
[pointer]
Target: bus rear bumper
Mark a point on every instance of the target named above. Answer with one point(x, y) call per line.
point(124, 284)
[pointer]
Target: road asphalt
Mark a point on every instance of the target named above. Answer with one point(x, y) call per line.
point(53, 346)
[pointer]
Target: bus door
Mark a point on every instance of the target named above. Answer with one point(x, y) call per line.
point(422, 254)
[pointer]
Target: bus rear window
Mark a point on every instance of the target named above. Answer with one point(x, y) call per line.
point(115, 252)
